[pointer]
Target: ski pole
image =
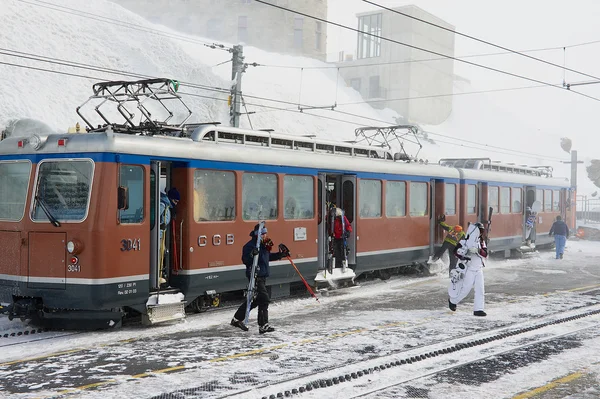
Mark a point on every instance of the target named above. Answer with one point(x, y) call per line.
point(303, 279)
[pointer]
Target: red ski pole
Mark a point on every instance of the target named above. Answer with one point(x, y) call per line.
point(303, 279)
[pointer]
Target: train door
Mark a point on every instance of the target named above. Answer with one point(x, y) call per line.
point(348, 202)
point(154, 223)
point(340, 191)
point(433, 212)
point(528, 215)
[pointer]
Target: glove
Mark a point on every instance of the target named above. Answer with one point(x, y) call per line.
point(473, 250)
point(284, 251)
point(441, 218)
point(346, 235)
point(163, 226)
point(254, 251)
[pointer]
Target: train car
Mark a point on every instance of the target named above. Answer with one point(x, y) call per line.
point(79, 215)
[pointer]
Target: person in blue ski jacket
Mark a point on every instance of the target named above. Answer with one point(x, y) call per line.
point(560, 230)
point(167, 205)
point(262, 272)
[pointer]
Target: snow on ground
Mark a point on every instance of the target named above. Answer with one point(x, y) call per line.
point(346, 326)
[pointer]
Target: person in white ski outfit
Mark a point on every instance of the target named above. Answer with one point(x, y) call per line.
point(471, 251)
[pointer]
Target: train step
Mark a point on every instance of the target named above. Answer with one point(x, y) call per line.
point(163, 306)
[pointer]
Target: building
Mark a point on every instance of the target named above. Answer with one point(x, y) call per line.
point(243, 22)
point(389, 75)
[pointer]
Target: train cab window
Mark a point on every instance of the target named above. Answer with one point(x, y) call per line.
point(555, 200)
point(63, 189)
point(493, 198)
point(259, 196)
point(370, 198)
point(547, 200)
point(298, 197)
point(395, 199)
point(517, 196)
point(471, 199)
point(214, 195)
point(14, 184)
point(505, 200)
point(418, 199)
point(450, 199)
point(132, 178)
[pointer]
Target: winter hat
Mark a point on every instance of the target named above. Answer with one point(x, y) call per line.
point(174, 194)
point(262, 231)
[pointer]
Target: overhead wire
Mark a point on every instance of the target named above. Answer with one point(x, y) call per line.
point(125, 73)
point(423, 49)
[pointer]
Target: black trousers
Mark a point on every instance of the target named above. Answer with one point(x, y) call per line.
point(261, 300)
point(446, 246)
point(338, 251)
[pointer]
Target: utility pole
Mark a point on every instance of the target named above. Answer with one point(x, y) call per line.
point(573, 190)
point(238, 68)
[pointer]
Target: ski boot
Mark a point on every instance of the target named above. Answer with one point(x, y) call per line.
point(265, 329)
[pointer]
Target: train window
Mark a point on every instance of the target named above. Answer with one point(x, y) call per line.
point(547, 200)
point(539, 196)
point(63, 188)
point(214, 195)
point(132, 177)
point(14, 184)
point(298, 197)
point(493, 198)
point(395, 199)
point(505, 200)
point(517, 198)
point(418, 199)
point(370, 198)
point(259, 196)
point(555, 200)
point(450, 199)
point(471, 199)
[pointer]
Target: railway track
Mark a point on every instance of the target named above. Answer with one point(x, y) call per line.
point(441, 356)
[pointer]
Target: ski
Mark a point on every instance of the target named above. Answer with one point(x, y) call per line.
point(251, 284)
point(331, 238)
point(345, 244)
point(489, 225)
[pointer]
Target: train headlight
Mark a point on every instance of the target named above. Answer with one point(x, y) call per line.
point(74, 247)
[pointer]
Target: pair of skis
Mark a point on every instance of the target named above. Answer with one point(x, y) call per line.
point(252, 284)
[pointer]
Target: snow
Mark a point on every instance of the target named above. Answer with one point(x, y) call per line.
point(204, 351)
point(165, 298)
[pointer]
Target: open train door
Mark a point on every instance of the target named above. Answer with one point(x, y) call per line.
point(349, 207)
point(322, 221)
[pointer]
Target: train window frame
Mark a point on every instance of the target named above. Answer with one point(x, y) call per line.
point(519, 199)
point(414, 213)
point(389, 205)
point(25, 194)
point(540, 197)
point(33, 208)
point(139, 219)
point(287, 198)
point(505, 196)
point(231, 194)
point(260, 216)
point(555, 200)
point(547, 204)
point(472, 210)
point(365, 213)
point(447, 197)
point(490, 196)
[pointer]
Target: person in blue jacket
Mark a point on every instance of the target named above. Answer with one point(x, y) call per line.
point(560, 230)
point(262, 272)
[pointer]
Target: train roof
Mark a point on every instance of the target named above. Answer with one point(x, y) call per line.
point(232, 145)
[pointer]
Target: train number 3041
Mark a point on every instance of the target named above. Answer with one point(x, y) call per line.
point(128, 244)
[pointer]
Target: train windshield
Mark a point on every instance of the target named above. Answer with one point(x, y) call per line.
point(63, 189)
point(14, 183)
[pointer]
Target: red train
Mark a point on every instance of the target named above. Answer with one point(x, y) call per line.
point(80, 237)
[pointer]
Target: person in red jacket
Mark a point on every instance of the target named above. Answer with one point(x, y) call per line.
point(340, 234)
